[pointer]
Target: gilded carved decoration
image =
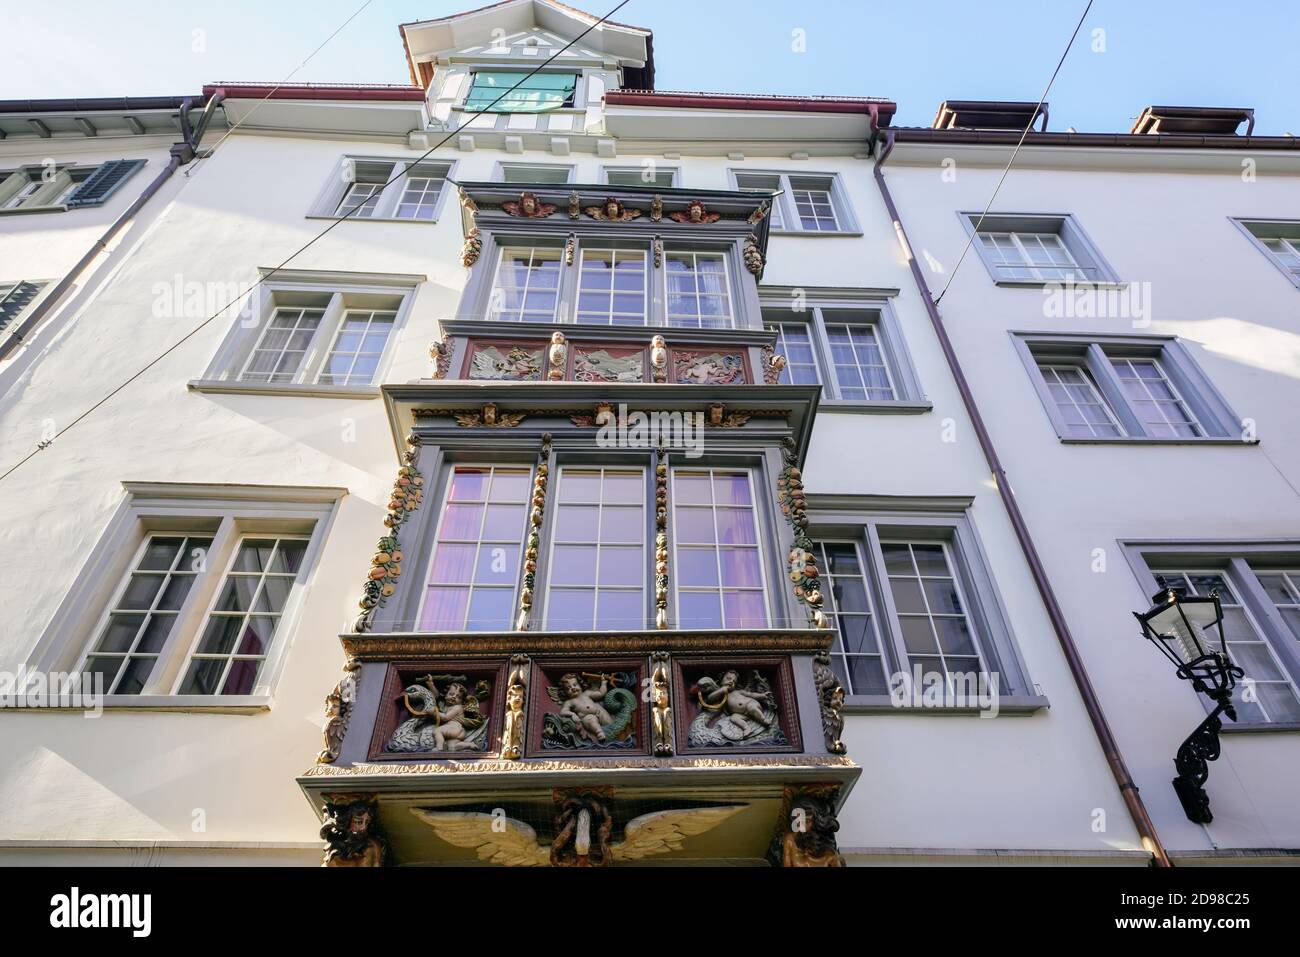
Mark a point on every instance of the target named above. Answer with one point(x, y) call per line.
point(389, 648)
point(657, 249)
point(770, 762)
point(557, 354)
point(386, 565)
point(759, 214)
point(570, 247)
point(516, 364)
point(583, 826)
point(830, 700)
point(735, 710)
point(534, 534)
point(695, 214)
point(472, 249)
point(528, 207)
point(351, 832)
point(602, 365)
point(489, 417)
point(773, 364)
point(661, 539)
point(661, 706)
point(611, 210)
point(441, 352)
point(338, 711)
point(803, 563)
point(656, 208)
point(752, 255)
point(593, 711)
point(574, 205)
point(808, 832)
point(708, 368)
point(512, 732)
point(446, 714)
point(659, 358)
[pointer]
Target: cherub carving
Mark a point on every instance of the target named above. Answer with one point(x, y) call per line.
point(584, 826)
point(529, 207)
point(442, 719)
point(594, 712)
point(733, 713)
point(613, 211)
point(695, 215)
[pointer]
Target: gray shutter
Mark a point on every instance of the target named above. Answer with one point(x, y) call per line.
point(102, 183)
point(16, 300)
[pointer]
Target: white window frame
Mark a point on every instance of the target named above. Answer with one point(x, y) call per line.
point(329, 203)
point(228, 514)
point(338, 294)
point(790, 220)
point(730, 291)
point(503, 166)
point(638, 171)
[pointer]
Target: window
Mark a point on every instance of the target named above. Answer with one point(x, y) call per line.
point(698, 287)
point(1257, 588)
point(54, 188)
point(718, 565)
point(527, 287)
point(908, 592)
point(808, 202)
point(15, 297)
point(505, 92)
point(612, 287)
point(538, 175)
point(384, 188)
point(191, 592)
point(1036, 249)
point(597, 569)
point(1125, 388)
point(244, 620)
point(474, 573)
point(143, 614)
point(650, 174)
point(1280, 241)
point(311, 336)
point(854, 352)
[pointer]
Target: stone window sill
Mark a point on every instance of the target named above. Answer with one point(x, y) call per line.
point(1015, 705)
point(231, 387)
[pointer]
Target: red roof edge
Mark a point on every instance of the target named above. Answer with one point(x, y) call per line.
point(742, 101)
point(316, 91)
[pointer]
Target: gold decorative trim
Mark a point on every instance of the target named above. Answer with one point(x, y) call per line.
point(661, 538)
point(534, 534)
point(804, 574)
point(381, 648)
point(441, 352)
point(773, 762)
point(386, 565)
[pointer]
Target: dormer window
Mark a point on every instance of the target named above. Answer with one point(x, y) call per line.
point(538, 93)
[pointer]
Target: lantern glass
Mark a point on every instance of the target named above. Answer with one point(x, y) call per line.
point(1185, 627)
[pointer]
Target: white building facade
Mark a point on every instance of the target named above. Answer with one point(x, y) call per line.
point(690, 548)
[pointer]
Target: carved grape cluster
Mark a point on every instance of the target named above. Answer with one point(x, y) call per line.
point(533, 546)
point(661, 542)
point(386, 564)
point(804, 573)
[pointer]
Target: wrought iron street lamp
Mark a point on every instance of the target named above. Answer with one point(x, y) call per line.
point(1186, 628)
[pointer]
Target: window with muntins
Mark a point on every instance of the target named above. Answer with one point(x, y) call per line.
point(717, 557)
point(1034, 249)
point(849, 606)
point(808, 202)
point(1280, 242)
point(937, 634)
point(385, 189)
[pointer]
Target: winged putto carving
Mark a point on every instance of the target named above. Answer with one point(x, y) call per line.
point(581, 838)
point(613, 211)
point(695, 214)
point(529, 207)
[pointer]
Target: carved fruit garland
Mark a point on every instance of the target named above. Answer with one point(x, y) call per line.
point(803, 563)
point(661, 539)
point(534, 535)
point(441, 352)
point(386, 565)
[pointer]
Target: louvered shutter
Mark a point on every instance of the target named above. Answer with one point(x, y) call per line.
point(16, 300)
point(102, 183)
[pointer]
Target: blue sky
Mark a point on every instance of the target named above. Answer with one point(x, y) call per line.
point(1200, 53)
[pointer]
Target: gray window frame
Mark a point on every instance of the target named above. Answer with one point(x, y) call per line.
point(866, 519)
point(909, 397)
point(658, 167)
point(477, 294)
point(1215, 417)
point(791, 225)
point(1234, 560)
point(326, 204)
point(1286, 229)
point(499, 172)
point(1064, 225)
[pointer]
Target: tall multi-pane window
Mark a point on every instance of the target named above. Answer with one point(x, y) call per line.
point(859, 362)
point(241, 625)
point(145, 611)
point(474, 574)
point(1154, 400)
point(419, 198)
point(813, 202)
point(932, 616)
point(279, 353)
point(857, 647)
point(1083, 410)
point(357, 349)
point(698, 295)
point(527, 287)
point(1283, 588)
point(1030, 256)
point(794, 341)
point(596, 575)
point(1266, 694)
point(612, 286)
point(717, 567)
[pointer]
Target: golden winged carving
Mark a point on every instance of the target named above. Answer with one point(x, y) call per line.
point(695, 215)
point(515, 844)
point(613, 211)
point(529, 207)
